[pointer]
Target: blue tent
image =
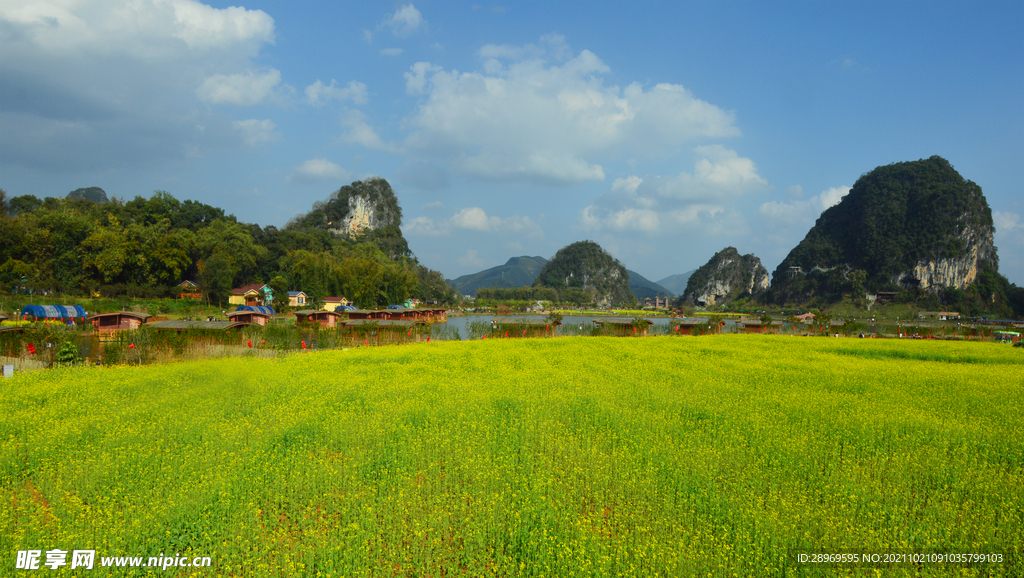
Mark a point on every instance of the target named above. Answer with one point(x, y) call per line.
point(256, 309)
point(53, 311)
point(340, 308)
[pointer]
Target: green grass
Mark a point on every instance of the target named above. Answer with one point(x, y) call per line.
point(718, 456)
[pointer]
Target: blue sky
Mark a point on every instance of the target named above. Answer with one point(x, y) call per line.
point(663, 131)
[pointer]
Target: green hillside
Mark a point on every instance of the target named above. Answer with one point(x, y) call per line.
point(644, 288)
point(588, 267)
point(516, 272)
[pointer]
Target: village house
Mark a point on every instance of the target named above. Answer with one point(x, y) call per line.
point(332, 303)
point(325, 318)
point(251, 294)
point(189, 290)
point(941, 315)
point(297, 299)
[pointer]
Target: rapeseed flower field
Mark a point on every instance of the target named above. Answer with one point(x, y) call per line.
point(717, 456)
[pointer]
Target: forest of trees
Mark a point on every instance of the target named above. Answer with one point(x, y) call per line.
point(145, 247)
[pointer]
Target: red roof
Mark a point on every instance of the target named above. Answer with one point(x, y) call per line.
point(246, 288)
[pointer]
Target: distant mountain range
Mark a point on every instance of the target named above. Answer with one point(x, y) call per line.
point(517, 272)
point(677, 283)
point(644, 288)
point(521, 271)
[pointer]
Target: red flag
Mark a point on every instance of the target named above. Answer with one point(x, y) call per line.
point(249, 341)
point(428, 340)
point(506, 334)
point(31, 348)
point(303, 344)
point(634, 330)
point(524, 332)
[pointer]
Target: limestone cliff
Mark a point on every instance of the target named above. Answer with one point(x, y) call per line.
point(364, 210)
point(726, 277)
point(907, 225)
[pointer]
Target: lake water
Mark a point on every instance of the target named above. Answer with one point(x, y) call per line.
point(571, 324)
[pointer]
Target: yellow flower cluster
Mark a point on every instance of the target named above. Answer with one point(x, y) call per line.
point(721, 456)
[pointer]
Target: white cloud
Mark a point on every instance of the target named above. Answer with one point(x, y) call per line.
point(391, 51)
point(255, 132)
point(319, 170)
point(659, 204)
point(422, 227)
point(416, 81)
point(540, 113)
point(317, 94)
point(1006, 222)
point(94, 84)
point(803, 212)
point(245, 89)
point(470, 259)
point(147, 28)
point(357, 131)
point(1009, 239)
point(473, 219)
point(405, 20)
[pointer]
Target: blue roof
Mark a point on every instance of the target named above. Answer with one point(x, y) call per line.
point(256, 309)
point(53, 311)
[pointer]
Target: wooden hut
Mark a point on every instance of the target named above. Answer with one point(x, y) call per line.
point(523, 327)
point(368, 314)
point(180, 326)
point(689, 324)
point(623, 325)
point(3, 318)
point(325, 318)
point(384, 323)
point(108, 323)
point(750, 325)
point(434, 314)
point(257, 314)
